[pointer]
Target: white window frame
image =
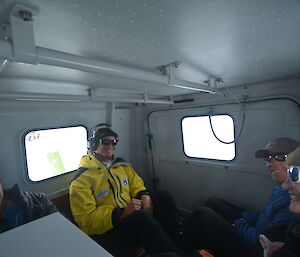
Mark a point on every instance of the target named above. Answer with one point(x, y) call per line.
point(212, 149)
point(60, 157)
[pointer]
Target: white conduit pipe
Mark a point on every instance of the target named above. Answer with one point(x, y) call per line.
point(56, 58)
point(16, 96)
point(66, 60)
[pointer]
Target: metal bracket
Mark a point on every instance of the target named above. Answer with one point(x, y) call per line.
point(21, 21)
point(214, 84)
point(91, 94)
point(173, 82)
point(146, 98)
point(168, 70)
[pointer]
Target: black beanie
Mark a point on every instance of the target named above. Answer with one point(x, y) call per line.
point(104, 132)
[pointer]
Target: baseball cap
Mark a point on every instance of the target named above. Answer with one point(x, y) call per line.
point(279, 145)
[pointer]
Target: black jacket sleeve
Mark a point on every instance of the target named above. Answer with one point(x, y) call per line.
point(37, 205)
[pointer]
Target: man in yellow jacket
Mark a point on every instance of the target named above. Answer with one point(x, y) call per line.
point(110, 203)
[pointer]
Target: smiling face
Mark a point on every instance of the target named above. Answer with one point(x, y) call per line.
point(294, 191)
point(278, 170)
point(106, 151)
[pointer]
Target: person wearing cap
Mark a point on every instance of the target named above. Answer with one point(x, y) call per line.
point(110, 202)
point(228, 230)
point(284, 239)
point(18, 207)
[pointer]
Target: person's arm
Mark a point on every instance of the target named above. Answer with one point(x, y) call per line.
point(138, 189)
point(250, 216)
point(90, 218)
point(133, 205)
point(245, 227)
point(147, 203)
point(246, 231)
point(37, 205)
point(48, 205)
point(136, 184)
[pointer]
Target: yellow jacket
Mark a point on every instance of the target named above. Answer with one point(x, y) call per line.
point(97, 192)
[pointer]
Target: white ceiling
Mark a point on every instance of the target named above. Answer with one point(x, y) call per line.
point(240, 41)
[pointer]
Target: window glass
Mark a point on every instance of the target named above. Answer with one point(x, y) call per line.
point(200, 142)
point(53, 152)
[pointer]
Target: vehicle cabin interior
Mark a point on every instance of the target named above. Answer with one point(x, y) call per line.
point(193, 88)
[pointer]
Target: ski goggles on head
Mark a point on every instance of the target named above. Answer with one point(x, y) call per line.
point(281, 157)
point(293, 173)
point(108, 141)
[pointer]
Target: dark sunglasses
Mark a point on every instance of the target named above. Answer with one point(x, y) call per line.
point(108, 141)
point(277, 157)
point(293, 173)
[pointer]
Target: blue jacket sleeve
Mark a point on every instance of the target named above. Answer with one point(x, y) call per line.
point(246, 232)
point(250, 216)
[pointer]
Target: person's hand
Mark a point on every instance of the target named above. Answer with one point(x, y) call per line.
point(133, 205)
point(147, 203)
point(238, 219)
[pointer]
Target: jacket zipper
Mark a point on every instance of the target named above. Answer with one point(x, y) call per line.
point(121, 189)
point(117, 191)
point(113, 191)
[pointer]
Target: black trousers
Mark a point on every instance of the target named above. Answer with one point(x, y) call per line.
point(165, 211)
point(210, 227)
point(143, 229)
point(227, 210)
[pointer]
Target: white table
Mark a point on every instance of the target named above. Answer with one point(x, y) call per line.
point(50, 236)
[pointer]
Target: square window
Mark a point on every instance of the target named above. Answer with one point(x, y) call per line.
point(199, 140)
point(53, 152)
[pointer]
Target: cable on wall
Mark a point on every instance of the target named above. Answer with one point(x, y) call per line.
point(242, 124)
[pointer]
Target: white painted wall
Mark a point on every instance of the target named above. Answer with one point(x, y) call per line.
point(191, 181)
point(18, 117)
point(243, 181)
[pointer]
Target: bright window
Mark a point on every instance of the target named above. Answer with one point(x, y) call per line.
point(53, 152)
point(200, 142)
